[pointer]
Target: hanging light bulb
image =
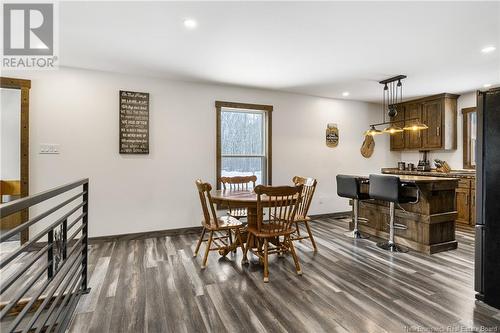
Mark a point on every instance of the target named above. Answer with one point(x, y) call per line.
point(416, 126)
point(392, 129)
point(373, 131)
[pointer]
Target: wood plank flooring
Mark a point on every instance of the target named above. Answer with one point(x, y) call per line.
point(155, 285)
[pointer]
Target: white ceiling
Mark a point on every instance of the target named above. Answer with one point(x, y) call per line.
point(321, 48)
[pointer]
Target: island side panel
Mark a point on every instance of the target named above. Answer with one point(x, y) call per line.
point(430, 223)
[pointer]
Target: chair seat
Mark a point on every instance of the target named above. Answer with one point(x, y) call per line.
point(302, 219)
point(270, 230)
point(225, 222)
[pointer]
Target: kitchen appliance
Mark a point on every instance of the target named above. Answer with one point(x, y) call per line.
point(487, 258)
point(401, 166)
point(410, 167)
point(424, 164)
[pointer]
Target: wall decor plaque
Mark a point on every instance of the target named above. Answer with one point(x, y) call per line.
point(368, 146)
point(134, 122)
point(332, 135)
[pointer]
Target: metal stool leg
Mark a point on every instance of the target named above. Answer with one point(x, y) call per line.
point(356, 234)
point(390, 245)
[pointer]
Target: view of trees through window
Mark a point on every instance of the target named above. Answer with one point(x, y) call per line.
point(242, 143)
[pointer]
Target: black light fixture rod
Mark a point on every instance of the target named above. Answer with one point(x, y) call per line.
point(392, 79)
point(393, 122)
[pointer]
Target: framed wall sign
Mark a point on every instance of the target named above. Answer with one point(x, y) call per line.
point(332, 135)
point(134, 122)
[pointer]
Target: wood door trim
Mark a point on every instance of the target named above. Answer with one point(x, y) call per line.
point(465, 134)
point(24, 86)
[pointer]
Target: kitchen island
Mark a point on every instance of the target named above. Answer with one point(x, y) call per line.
point(430, 223)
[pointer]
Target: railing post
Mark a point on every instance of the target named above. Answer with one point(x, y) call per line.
point(50, 254)
point(65, 239)
point(85, 229)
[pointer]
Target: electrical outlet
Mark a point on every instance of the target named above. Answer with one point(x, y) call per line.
point(49, 148)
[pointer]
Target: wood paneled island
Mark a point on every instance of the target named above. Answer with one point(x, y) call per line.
point(430, 223)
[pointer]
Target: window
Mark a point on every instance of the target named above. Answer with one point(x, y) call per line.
point(244, 140)
point(469, 137)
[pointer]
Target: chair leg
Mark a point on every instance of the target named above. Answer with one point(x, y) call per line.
point(266, 260)
point(294, 255)
point(311, 236)
point(298, 229)
point(245, 250)
point(238, 239)
point(230, 236)
point(207, 250)
point(199, 242)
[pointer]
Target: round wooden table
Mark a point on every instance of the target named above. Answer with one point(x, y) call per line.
point(238, 199)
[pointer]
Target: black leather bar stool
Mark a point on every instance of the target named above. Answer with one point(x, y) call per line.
point(348, 187)
point(389, 188)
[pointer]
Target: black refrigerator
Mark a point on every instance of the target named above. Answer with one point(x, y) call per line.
point(487, 254)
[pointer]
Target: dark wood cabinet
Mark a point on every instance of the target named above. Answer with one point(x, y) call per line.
point(413, 139)
point(465, 197)
point(439, 113)
point(433, 118)
point(463, 209)
point(398, 139)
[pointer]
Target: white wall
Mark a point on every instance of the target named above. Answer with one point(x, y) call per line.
point(78, 109)
point(453, 157)
point(10, 134)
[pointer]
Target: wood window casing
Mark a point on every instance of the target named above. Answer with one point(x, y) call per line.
point(267, 109)
point(467, 157)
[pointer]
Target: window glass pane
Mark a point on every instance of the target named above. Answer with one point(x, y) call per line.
point(242, 133)
point(243, 166)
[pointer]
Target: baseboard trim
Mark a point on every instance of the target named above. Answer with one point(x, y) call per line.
point(332, 215)
point(184, 231)
point(144, 235)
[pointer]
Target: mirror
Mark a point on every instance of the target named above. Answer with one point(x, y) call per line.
point(469, 116)
point(14, 146)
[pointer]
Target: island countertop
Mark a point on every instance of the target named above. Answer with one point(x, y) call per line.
point(430, 222)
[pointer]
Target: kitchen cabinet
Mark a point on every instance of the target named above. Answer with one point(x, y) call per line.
point(398, 139)
point(433, 118)
point(465, 199)
point(439, 113)
point(413, 139)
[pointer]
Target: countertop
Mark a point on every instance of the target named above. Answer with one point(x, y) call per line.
point(433, 173)
point(424, 179)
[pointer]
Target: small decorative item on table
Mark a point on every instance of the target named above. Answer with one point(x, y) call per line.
point(332, 135)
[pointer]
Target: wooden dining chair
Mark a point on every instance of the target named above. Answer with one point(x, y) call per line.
point(309, 186)
point(279, 204)
point(220, 227)
point(238, 183)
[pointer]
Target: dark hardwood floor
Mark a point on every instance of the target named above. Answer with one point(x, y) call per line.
point(155, 285)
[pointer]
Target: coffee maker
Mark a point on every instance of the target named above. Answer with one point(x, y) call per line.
point(424, 164)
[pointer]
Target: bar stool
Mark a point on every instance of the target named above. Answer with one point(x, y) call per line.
point(348, 187)
point(389, 188)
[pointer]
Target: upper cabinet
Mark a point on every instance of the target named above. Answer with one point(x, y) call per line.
point(398, 139)
point(439, 113)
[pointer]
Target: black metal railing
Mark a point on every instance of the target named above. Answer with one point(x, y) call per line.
point(42, 280)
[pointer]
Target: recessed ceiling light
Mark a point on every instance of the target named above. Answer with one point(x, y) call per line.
point(487, 85)
point(345, 93)
point(488, 49)
point(190, 23)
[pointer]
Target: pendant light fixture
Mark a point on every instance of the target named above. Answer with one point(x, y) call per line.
point(392, 89)
point(373, 131)
point(392, 100)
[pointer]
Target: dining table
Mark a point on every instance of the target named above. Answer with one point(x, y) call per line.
point(230, 199)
